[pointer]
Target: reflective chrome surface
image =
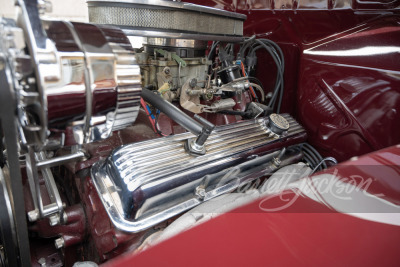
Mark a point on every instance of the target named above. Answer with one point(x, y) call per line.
point(95, 85)
point(144, 183)
point(85, 78)
point(43, 56)
point(127, 74)
point(167, 16)
point(169, 4)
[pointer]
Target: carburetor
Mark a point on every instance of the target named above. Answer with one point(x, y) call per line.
point(166, 64)
point(172, 47)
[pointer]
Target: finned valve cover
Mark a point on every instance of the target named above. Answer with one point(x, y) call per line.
point(145, 183)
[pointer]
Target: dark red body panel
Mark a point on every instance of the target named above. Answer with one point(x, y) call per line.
point(349, 89)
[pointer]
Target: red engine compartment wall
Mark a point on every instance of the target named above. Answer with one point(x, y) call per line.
point(350, 83)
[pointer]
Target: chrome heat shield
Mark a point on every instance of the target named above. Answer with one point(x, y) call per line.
point(143, 184)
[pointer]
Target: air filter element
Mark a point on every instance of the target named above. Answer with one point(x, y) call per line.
point(167, 16)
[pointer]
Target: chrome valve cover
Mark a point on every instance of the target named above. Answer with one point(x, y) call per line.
point(144, 183)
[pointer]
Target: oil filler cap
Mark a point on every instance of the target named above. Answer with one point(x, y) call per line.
point(277, 124)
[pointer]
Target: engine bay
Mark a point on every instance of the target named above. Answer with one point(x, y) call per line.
point(120, 126)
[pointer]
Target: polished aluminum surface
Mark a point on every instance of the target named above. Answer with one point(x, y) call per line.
point(150, 160)
point(128, 78)
point(168, 4)
point(43, 55)
point(95, 84)
point(86, 79)
point(144, 183)
point(60, 160)
point(166, 16)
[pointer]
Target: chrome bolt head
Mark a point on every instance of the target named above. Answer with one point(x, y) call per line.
point(59, 243)
point(54, 220)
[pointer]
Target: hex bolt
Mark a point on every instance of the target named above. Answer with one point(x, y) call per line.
point(277, 160)
point(200, 192)
point(33, 215)
point(59, 242)
point(54, 220)
point(42, 262)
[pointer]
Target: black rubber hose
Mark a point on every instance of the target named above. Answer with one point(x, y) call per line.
point(324, 166)
point(233, 112)
point(309, 160)
point(277, 55)
point(250, 39)
point(173, 112)
point(246, 44)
